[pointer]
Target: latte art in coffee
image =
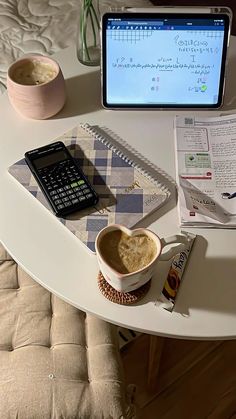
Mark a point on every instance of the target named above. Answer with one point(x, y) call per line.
point(125, 253)
point(34, 72)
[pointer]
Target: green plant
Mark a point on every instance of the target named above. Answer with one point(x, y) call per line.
point(89, 22)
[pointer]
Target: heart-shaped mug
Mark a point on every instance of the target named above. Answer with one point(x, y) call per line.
point(127, 258)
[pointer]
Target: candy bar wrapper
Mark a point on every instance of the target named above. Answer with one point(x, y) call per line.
point(171, 286)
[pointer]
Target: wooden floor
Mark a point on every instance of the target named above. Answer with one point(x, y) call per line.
point(197, 380)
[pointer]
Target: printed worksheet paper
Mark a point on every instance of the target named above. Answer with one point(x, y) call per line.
point(206, 170)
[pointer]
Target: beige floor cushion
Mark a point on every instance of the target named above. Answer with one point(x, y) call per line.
point(55, 361)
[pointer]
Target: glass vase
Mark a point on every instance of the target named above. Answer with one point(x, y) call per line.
point(88, 36)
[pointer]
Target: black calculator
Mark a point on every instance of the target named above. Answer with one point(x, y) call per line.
point(61, 179)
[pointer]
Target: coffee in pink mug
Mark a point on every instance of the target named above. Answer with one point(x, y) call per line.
point(36, 86)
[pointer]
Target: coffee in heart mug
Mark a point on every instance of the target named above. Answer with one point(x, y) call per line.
point(127, 258)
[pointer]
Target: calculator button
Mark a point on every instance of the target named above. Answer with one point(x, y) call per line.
point(67, 204)
point(86, 191)
point(60, 190)
point(67, 187)
point(62, 194)
point(82, 198)
point(58, 201)
point(60, 206)
point(89, 195)
point(53, 193)
point(71, 191)
point(75, 201)
point(65, 199)
point(83, 186)
point(79, 193)
point(74, 184)
point(80, 182)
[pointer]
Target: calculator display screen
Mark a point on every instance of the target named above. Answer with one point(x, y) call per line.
point(49, 159)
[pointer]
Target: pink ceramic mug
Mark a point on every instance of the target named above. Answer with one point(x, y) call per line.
point(32, 98)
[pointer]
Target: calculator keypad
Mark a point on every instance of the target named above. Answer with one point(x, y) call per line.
point(65, 185)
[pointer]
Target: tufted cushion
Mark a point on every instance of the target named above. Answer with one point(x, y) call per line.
point(55, 361)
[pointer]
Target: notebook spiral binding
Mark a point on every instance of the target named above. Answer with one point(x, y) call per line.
point(114, 143)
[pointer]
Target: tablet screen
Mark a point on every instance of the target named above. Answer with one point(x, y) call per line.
point(163, 60)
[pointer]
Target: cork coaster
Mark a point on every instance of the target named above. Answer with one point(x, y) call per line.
point(115, 296)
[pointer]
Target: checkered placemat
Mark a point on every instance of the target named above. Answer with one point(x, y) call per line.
point(126, 195)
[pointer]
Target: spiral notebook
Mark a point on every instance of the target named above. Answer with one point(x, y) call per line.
point(129, 187)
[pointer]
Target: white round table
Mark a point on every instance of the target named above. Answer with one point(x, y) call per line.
point(206, 306)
